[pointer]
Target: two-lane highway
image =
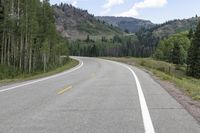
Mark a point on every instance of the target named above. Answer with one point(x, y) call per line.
point(98, 96)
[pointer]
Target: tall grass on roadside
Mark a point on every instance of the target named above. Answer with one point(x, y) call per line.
point(8, 74)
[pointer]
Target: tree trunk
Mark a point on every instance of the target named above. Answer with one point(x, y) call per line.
point(26, 52)
point(34, 61)
point(13, 50)
point(2, 49)
point(26, 41)
point(30, 59)
point(18, 12)
point(5, 49)
point(8, 50)
point(21, 52)
point(44, 61)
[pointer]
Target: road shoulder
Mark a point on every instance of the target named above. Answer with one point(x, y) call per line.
point(191, 106)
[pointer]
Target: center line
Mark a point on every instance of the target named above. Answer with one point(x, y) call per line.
point(64, 90)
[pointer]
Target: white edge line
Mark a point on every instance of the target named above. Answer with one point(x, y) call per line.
point(148, 125)
point(46, 78)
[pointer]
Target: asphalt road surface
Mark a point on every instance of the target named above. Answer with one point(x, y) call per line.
point(98, 96)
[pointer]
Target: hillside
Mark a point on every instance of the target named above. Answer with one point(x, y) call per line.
point(127, 23)
point(151, 37)
point(174, 26)
point(77, 23)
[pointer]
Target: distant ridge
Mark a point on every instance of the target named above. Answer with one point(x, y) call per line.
point(151, 37)
point(174, 26)
point(127, 23)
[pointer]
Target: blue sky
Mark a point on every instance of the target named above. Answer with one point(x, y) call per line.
point(158, 11)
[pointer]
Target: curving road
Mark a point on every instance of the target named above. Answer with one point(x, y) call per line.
point(98, 96)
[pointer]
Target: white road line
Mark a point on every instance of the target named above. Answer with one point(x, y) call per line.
point(148, 125)
point(46, 78)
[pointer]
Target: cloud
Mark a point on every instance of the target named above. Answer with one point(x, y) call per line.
point(133, 12)
point(72, 2)
point(109, 4)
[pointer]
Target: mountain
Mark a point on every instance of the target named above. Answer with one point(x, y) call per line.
point(151, 37)
point(174, 26)
point(76, 23)
point(127, 23)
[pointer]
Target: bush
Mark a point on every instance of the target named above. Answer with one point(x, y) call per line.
point(8, 72)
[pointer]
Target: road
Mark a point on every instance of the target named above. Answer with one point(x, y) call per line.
point(98, 96)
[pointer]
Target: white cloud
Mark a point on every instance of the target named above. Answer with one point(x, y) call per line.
point(133, 12)
point(72, 2)
point(150, 4)
point(109, 4)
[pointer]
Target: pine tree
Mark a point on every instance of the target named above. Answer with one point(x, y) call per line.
point(190, 34)
point(88, 38)
point(179, 55)
point(193, 61)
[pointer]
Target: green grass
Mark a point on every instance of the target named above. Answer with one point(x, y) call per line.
point(95, 28)
point(167, 71)
point(16, 76)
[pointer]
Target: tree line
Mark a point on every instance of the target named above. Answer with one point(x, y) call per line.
point(28, 38)
point(193, 60)
point(117, 46)
point(173, 49)
point(182, 49)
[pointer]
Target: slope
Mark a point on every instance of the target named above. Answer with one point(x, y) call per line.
point(76, 23)
point(127, 23)
point(174, 26)
point(151, 37)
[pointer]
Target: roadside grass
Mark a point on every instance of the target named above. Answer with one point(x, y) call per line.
point(17, 76)
point(166, 71)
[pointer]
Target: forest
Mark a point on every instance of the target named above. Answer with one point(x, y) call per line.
point(29, 41)
point(174, 49)
point(117, 46)
point(182, 49)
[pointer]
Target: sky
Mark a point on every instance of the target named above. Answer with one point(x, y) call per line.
point(157, 11)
